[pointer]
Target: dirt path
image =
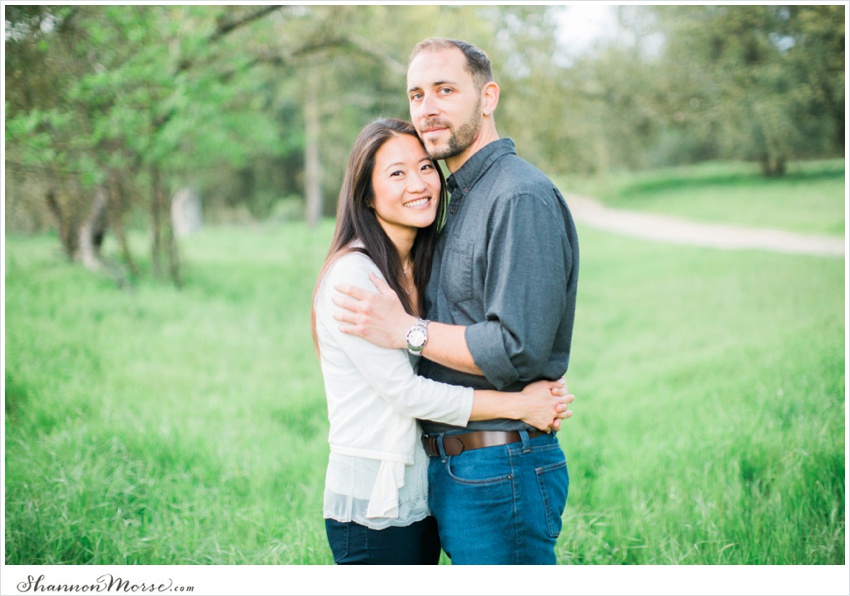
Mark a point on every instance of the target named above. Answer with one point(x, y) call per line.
point(664, 228)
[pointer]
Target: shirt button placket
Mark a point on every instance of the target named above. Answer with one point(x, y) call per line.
point(455, 201)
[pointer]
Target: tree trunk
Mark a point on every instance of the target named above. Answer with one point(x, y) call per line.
point(82, 240)
point(172, 247)
point(312, 167)
point(116, 221)
point(66, 227)
point(163, 232)
point(772, 167)
point(92, 231)
point(156, 222)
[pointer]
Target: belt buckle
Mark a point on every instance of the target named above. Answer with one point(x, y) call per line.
point(451, 445)
point(430, 444)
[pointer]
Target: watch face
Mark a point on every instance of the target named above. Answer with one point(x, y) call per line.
point(416, 337)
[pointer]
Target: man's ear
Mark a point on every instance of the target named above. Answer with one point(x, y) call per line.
point(489, 98)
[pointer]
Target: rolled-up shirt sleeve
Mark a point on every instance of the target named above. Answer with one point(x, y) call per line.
point(528, 260)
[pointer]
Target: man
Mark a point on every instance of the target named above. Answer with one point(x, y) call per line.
point(501, 303)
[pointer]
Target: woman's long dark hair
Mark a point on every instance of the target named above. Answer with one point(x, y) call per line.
point(356, 220)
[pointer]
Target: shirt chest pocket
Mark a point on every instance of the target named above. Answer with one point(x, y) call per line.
point(456, 281)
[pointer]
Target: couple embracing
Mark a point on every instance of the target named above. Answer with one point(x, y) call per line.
point(444, 330)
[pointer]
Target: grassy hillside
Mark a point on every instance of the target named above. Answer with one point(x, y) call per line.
point(163, 427)
point(810, 199)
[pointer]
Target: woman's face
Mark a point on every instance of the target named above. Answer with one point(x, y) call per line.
point(406, 186)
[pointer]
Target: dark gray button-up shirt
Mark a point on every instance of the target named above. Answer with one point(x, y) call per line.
point(506, 267)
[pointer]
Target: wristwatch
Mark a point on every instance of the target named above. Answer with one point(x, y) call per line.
point(417, 337)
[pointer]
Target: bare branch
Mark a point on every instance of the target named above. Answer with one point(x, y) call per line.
point(349, 42)
point(364, 46)
point(225, 28)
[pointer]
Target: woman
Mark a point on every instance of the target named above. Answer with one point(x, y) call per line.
point(375, 504)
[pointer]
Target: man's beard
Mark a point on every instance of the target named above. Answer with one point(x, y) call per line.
point(460, 140)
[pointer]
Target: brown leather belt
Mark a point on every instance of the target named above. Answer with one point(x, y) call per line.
point(457, 444)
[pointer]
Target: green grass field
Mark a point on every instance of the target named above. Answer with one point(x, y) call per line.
point(805, 200)
point(161, 426)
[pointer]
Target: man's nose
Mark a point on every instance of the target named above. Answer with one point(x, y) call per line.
point(428, 105)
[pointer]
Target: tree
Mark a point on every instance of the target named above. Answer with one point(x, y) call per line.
point(112, 109)
point(744, 80)
point(123, 112)
point(127, 103)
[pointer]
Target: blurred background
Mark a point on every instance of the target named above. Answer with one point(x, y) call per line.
point(117, 116)
point(171, 175)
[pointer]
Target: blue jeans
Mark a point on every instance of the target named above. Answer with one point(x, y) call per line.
point(353, 544)
point(500, 505)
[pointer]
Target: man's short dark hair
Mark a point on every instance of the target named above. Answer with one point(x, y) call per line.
point(477, 63)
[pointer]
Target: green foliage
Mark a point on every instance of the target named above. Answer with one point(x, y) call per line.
point(125, 95)
point(213, 97)
point(189, 427)
point(684, 84)
point(745, 81)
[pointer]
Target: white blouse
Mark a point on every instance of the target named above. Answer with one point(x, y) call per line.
point(377, 469)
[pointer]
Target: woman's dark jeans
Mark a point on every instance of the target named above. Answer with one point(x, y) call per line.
point(353, 544)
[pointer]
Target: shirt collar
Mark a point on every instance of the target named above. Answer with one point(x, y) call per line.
point(480, 162)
